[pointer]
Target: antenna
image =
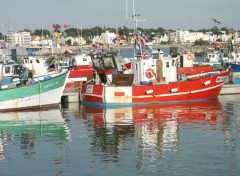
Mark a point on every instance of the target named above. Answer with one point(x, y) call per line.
point(134, 16)
point(127, 11)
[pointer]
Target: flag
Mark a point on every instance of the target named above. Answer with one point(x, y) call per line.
point(137, 46)
point(55, 26)
point(56, 34)
point(64, 34)
point(66, 26)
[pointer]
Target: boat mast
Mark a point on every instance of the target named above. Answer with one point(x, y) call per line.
point(80, 38)
point(136, 19)
point(41, 20)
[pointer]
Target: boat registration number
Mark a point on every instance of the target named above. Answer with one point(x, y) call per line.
point(221, 79)
point(89, 89)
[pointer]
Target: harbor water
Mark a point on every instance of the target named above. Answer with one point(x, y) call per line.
point(197, 138)
point(185, 139)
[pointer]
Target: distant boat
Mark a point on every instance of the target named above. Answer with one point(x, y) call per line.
point(80, 67)
point(213, 58)
point(28, 92)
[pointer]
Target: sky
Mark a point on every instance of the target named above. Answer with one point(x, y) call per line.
point(17, 15)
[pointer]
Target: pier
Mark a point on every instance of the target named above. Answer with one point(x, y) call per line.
point(229, 89)
point(70, 97)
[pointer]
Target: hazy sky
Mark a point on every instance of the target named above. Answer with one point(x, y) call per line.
point(169, 14)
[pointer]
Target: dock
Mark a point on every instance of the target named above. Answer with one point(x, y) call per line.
point(70, 97)
point(229, 89)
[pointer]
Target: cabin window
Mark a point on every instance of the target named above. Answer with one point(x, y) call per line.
point(167, 64)
point(31, 61)
point(37, 61)
point(7, 69)
point(84, 59)
point(173, 62)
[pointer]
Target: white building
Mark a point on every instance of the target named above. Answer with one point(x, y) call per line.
point(78, 40)
point(39, 41)
point(26, 38)
point(21, 38)
point(184, 36)
point(107, 38)
point(164, 38)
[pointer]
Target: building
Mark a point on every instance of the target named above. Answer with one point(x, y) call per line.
point(184, 36)
point(76, 40)
point(21, 38)
point(107, 38)
point(39, 41)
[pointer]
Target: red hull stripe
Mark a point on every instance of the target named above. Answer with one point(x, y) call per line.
point(119, 94)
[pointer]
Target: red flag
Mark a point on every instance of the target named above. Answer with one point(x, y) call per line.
point(54, 26)
point(66, 26)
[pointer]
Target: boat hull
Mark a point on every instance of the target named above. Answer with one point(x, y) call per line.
point(235, 67)
point(43, 93)
point(188, 90)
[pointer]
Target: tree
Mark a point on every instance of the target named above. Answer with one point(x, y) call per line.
point(40, 32)
point(73, 32)
point(201, 42)
point(161, 30)
point(216, 31)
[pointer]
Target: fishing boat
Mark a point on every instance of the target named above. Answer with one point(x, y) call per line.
point(80, 68)
point(21, 90)
point(150, 81)
point(212, 57)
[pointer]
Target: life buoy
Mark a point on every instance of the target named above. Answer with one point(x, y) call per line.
point(149, 73)
point(189, 57)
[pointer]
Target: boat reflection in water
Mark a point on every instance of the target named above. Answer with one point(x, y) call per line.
point(155, 126)
point(28, 128)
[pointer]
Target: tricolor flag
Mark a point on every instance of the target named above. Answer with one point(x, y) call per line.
point(66, 26)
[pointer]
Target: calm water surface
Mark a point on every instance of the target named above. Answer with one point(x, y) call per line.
point(200, 138)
